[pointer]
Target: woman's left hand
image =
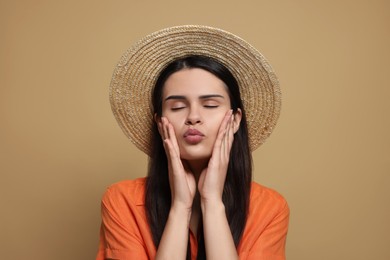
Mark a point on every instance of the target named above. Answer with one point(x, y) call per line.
point(212, 179)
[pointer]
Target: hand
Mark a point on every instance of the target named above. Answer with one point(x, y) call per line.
point(212, 179)
point(181, 180)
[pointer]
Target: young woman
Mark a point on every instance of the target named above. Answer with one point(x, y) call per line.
point(198, 201)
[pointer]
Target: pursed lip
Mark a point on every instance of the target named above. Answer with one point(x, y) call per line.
point(191, 132)
point(193, 136)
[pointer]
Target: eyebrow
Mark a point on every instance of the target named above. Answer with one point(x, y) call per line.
point(201, 97)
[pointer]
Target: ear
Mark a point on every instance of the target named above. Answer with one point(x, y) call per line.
point(237, 120)
point(157, 119)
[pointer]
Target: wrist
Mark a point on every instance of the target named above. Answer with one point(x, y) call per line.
point(212, 205)
point(178, 213)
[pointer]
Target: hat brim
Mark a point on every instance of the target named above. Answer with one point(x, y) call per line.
point(139, 67)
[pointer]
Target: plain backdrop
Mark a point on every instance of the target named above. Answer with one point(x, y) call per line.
point(60, 146)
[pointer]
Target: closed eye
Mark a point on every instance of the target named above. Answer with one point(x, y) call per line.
point(177, 108)
point(210, 103)
point(210, 106)
point(176, 104)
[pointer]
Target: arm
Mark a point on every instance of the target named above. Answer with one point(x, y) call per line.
point(218, 238)
point(173, 244)
point(174, 241)
point(219, 241)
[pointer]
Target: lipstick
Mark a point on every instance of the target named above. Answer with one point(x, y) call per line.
point(193, 136)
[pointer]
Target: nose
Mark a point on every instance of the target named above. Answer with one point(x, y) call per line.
point(193, 117)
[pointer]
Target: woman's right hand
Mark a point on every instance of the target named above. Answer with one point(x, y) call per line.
point(181, 179)
point(174, 240)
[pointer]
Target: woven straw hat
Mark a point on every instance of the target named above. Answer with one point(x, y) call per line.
point(139, 67)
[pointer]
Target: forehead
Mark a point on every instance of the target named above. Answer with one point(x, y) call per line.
point(194, 81)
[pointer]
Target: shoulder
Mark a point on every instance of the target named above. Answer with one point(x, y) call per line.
point(127, 190)
point(265, 199)
point(261, 191)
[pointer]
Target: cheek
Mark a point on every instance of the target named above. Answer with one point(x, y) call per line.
point(176, 121)
point(215, 123)
point(168, 114)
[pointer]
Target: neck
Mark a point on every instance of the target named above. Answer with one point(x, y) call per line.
point(197, 166)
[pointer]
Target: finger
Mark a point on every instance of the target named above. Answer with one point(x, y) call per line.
point(225, 138)
point(159, 128)
point(172, 137)
point(171, 151)
point(173, 160)
point(219, 142)
point(164, 137)
point(168, 145)
point(227, 127)
point(173, 148)
point(165, 128)
point(229, 137)
point(224, 125)
point(170, 134)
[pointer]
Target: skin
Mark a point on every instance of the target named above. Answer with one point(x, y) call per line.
point(196, 99)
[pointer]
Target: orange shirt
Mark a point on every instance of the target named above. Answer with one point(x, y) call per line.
point(125, 232)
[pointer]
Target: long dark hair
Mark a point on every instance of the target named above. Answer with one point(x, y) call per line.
point(239, 175)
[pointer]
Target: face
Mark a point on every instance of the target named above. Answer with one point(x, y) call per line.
point(195, 102)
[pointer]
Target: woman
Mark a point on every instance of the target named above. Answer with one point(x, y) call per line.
point(198, 201)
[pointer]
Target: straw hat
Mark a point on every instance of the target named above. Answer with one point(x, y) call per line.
point(138, 69)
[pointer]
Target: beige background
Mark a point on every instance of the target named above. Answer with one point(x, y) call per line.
point(61, 147)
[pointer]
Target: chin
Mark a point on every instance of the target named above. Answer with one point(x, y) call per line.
point(193, 155)
point(195, 158)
